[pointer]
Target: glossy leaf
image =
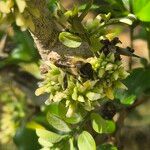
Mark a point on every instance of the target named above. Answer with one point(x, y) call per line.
point(44, 143)
point(70, 40)
point(115, 7)
point(141, 9)
point(26, 51)
point(49, 136)
point(138, 82)
point(86, 141)
point(101, 125)
point(53, 109)
point(19, 53)
point(52, 5)
point(71, 144)
point(74, 119)
point(124, 97)
point(34, 125)
point(22, 49)
point(26, 139)
point(57, 123)
point(60, 111)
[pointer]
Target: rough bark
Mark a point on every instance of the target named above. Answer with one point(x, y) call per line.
point(46, 36)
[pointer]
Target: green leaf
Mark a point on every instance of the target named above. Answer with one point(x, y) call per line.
point(25, 47)
point(128, 100)
point(20, 54)
point(71, 144)
point(138, 82)
point(95, 44)
point(93, 7)
point(124, 97)
point(49, 136)
point(75, 94)
point(70, 40)
point(101, 125)
point(93, 25)
point(115, 7)
point(141, 9)
point(72, 13)
point(53, 109)
point(57, 123)
point(52, 5)
point(26, 139)
point(74, 119)
point(34, 125)
point(44, 143)
point(24, 50)
point(86, 141)
point(107, 147)
point(60, 111)
point(128, 19)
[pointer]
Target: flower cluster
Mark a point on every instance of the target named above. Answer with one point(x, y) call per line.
point(108, 73)
point(12, 111)
point(17, 10)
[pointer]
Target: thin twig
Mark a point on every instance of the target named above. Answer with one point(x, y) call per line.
point(131, 35)
point(137, 103)
point(122, 116)
point(131, 45)
point(120, 124)
point(148, 43)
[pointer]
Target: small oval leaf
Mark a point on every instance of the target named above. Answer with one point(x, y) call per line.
point(70, 40)
point(49, 136)
point(86, 141)
point(57, 123)
point(44, 143)
point(101, 125)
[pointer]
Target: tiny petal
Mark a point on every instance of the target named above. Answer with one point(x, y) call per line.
point(70, 111)
point(40, 91)
point(5, 7)
point(20, 21)
point(21, 5)
point(109, 93)
point(109, 66)
point(93, 96)
point(81, 98)
point(101, 72)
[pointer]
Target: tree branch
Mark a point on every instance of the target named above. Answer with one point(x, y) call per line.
point(46, 35)
point(122, 116)
point(138, 102)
